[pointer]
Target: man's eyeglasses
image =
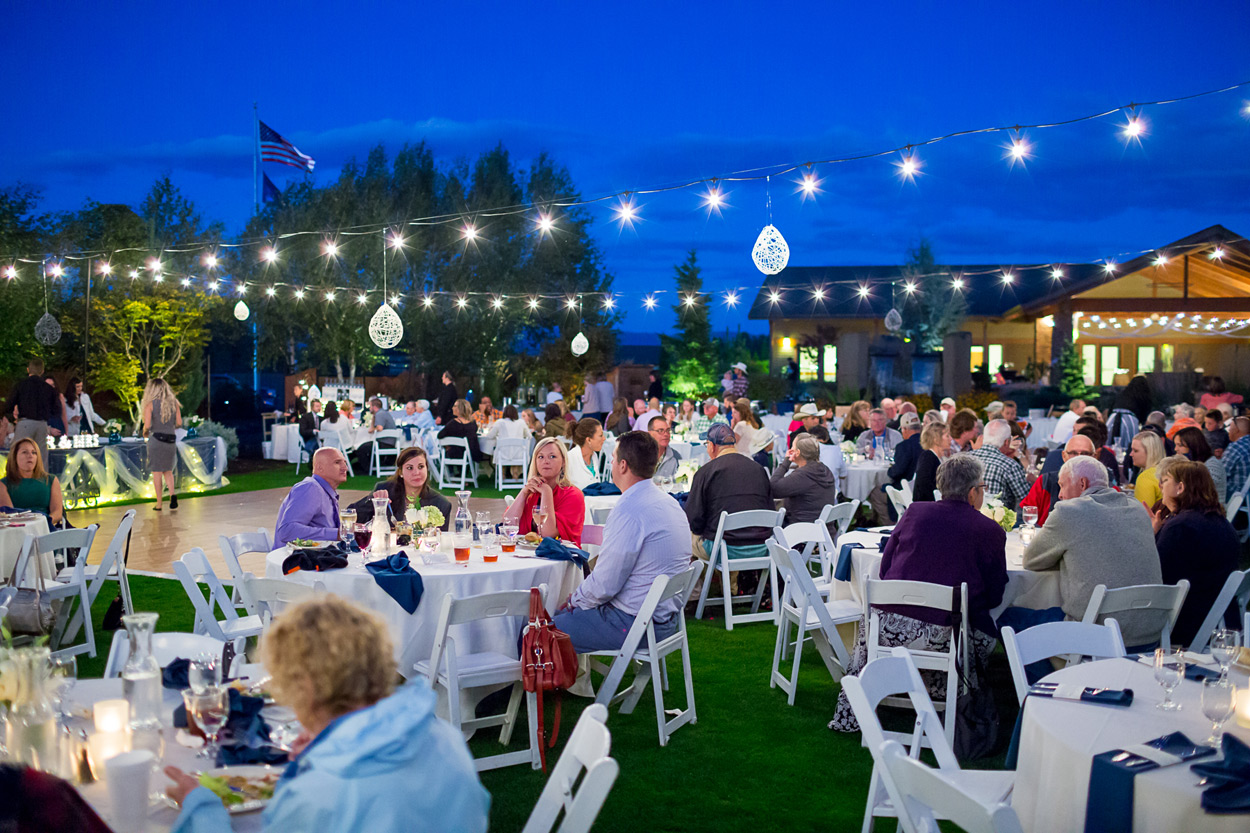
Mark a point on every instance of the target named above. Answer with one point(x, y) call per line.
point(661, 430)
point(1068, 455)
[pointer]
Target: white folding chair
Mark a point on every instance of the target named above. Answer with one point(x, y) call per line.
point(1165, 599)
point(334, 439)
point(653, 666)
point(455, 470)
point(803, 607)
point(587, 751)
point(1236, 591)
point(194, 568)
point(268, 597)
point(813, 540)
point(73, 587)
point(1070, 640)
point(922, 594)
point(511, 451)
point(927, 795)
point(453, 670)
point(242, 544)
point(900, 499)
point(1239, 502)
point(96, 574)
point(382, 460)
point(886, 680)
point(719, 559)
point(167, 647)
point(303, 455)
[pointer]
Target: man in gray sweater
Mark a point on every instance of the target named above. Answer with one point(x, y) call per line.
point(804, 482)
point(1094, 535)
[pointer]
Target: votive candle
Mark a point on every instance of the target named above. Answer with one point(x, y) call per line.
point(111, 716)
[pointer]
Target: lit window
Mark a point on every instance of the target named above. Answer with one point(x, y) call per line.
point(809, 364)
point(996, 358)
point(1165, 357)
point(1146, 359)
point(1110, 364)
point(1089, 363)
point(831, 363)
point(976, 358)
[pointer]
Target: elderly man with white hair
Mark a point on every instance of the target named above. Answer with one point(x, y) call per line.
point(1003, 473)
point(1094, 535)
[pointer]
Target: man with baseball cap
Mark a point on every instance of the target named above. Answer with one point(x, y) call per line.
point(710, 416)
point(729, 482)
point(808, 416)
point(906, 456)
point(947, 407)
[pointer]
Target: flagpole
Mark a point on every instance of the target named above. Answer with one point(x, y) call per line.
point(255, 159)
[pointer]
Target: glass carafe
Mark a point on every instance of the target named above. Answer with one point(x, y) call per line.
point(462, 527)
point(380, 533)
point(141, 678)
point(31, 725)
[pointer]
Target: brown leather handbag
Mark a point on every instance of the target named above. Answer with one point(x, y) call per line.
point(548, 663)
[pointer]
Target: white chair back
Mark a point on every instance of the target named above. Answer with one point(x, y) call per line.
point(587, 751)
point(192, 568)
point(927, 796)
point(242, 544)
point(800, 602)
point(454, 469)
point(719, 560)
point(842, 515)
point(167, 647)
point(1239, 502)
point(511, 452)
point(268, 597)
point(334, 439)
point(382, 460)
point(112, 566)
point(455, 611)
point(900, 499)
point(1165, 599)
point(812, 539)
point(1059, 639)
point(73, 586)
point(1236, 591)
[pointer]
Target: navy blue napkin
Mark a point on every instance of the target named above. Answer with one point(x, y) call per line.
point(680, 497)
point(1109, 808)
point(1229, 779)
point(1197, 672)
point(315, 560)
point(842, 572)
point(601, 489)
point(245, 737)
point(407, 429)
point(557, 551)
point(176, 674)
point(397, 578)
point(1113, 697)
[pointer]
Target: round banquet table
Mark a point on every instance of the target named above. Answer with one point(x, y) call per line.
point(12, 536)
point(1025, 588)
point(1058, 740)
point(413, 634)
point(862, 478)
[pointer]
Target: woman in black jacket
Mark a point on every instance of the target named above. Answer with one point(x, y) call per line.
point(1195, 542)
point(936, 444)
point(408, 486)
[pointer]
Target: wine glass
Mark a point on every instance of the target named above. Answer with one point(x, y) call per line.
point(1219, 699)
point(1224, 646)
point(1169, 671)
point(203, 673)
point(1030, 516)
point(347, 523)
point(1119, 453)
point(211, 710)
point(483, 525)
point(62, 674)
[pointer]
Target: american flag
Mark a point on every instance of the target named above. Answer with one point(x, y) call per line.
point(273, 148)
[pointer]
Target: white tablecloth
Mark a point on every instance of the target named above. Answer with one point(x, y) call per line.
point(1025, 588)
point(599, 506)
point(1042, 429)
point(1059, 739)
point(862, 478)
point(413, 633)
point(286, 443)
point(11, 540)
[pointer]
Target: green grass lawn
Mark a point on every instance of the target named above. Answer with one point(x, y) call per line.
point(751, 763)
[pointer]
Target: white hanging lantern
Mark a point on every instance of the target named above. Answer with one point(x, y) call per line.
point(385, 328)
point(893, 321)
point(47, 329)
point(580, 344)
point(241, 311)
point(771, 252)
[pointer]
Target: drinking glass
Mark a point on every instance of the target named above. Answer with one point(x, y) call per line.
point(1119, 453)
point(490, 551)
point(1219, 699)
point(509, 530)
point(62, 674)
point(203, 673)
point(364, 533)
point(347, 523)
point(1030, 516)
point(1169, 671)
point(211, 710)
point(1224, 646)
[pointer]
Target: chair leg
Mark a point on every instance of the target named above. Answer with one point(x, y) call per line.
point(531, 708)
point(707, 586)
point(660, 717)
point(453, 702)
point(727, 593)
point(783, 636)
point(689, 679)
point(611, 682)
point(85, 605)
point(798, 657)
point(638, 686)
point(664, 671)
point(509, 723)
point(874, 786)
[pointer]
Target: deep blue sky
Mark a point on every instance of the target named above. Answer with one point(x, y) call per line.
point(100, 98)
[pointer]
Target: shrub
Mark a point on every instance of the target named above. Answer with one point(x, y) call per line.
point(208, 428)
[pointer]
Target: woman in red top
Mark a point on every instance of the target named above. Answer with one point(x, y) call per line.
point(549, 487)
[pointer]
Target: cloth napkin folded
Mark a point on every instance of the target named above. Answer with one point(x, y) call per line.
point(1109, 808)
point(842, 572)
point(680, 497)
point(394, 574)
point(245, 737)
point(1229, 779)
point(556, 551)
point(1197, 672)
point(601, 489)
point(314, 561)
point(176, 674)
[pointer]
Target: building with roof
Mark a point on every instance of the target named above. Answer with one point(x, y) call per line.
point(1184, 306)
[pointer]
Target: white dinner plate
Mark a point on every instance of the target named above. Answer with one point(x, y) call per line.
point(250, 805)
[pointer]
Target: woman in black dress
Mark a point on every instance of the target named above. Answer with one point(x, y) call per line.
point(936, 444)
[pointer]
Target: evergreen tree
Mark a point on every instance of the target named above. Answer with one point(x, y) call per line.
point(1072, 373)
point(934, 308)
point(688, 360)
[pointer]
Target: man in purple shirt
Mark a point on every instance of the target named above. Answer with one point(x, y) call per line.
point(311, 509)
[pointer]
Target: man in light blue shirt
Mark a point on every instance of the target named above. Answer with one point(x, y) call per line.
point(311, 509)
point(646, 536)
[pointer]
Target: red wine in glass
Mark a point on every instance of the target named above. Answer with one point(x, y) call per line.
point(363, 535)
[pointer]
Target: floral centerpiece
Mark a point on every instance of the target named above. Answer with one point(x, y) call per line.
point(681, 429)
point(424, 517)
point(114, 429)
point(994, 509)
point(848, 447)
point(193, 424)
point(685, 472)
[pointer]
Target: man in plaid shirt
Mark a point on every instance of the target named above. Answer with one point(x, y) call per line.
point(1003, 474)
point(486, 414)
point(710, 416)
point(1236, 457)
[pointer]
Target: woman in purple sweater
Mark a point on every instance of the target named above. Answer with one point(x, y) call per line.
point(941, 542)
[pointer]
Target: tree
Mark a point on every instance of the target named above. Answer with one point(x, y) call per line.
point(1072, 373)
point(21, 233)
point(934, 308)
point(689, 359)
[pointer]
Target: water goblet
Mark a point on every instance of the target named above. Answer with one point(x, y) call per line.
point(347, 523)
point(1030, 516)
point(1169, 671)
point(62, 674)
point(203, 673)
point(1219, 700)
point(211, 711)
point(1224, 646)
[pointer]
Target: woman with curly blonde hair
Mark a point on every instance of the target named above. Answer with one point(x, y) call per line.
point(370, 758)
point(161, 415)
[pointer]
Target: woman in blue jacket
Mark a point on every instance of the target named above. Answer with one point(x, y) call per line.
point(370, 759)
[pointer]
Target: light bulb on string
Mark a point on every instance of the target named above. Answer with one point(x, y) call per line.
point(395, 299)
point(533, 302)
point(271, 291)
point(909, 287)
point(158, 278)
point(714, 200)
point(299, 294)
point(330, 297)
point(362, 298)
point(10, 272)
point(1134, 128)
point(609, 303)
point(571, 303)
point(105, 268)
point(1019, 150)
point(242, 288)
point(731, 299)
point(774, 297)
point(56, 270)
point(809, 185)
point(186, 281)
point(1217, 253)
point(427, 302)
point(330, 248)
point(212, 287)
point(1109, 267)
point(545, 225)
point(1161, 260)
point(908, 167)
point(1008, 278)
point(689, 301)
point(396, 241)
point(269, 255)
point(626, 212)
point(818, 294)
point(154, 265)
point(649, 302)
point(210, 261)
point(134, 273)
point(1056, 273)
point(497, 302)
point(462, 302)
point(469, 232)
point(863, 290)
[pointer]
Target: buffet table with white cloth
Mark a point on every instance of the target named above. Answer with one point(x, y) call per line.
point(413, 633)
point(1025, 588)
point(863, 477)
point(1059, 739)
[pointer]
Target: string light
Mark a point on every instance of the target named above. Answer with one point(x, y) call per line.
point(212, 287)
point(957, 283)
point(330, 297)
point(908, 167)
point(1008, 278)
point(186, 281)
point(545, 225)
point(1056, 273)
point(809, 185)
point(362, 298)
point(571, 303)
point(395, 299)
point(299, 294)
point(609, 303)
point(533, 303)
point(626, 212)
point(269, 255)
point(427, 302)
point(731, 299)
point(154, 265)
point(10, 272)
point(1161, 260)
point(497, 303)
point(242, 288)
point(863, 290)
point(818, 293)
point(1109, 267)
point(1019, 150)
point(158, 278)
point(105, 268)
point(1217, 253)
point(469, 232)
point(1134, 128)
point(909, 287)
point(462, 302)
point(774, 296)
point(55, 270)
point(649, 302)
point(713, 200)
point(330, 248)
point(396, 241)
point(271, 291)
point(210, 261)
point(134, 273)
point(689, 301)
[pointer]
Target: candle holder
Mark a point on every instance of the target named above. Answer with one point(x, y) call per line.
point(1242, 712)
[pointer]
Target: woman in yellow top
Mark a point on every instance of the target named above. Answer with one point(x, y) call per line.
point(1147, 451)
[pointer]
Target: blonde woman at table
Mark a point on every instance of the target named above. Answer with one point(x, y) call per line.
point(550, 488)
point(530, 420)
point(687, 415)
point(856, 421)
point(27, 486)
point(936, 446)
point(161, 416)
point(586, 457)
point(372, 758)
point(1147, 451)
